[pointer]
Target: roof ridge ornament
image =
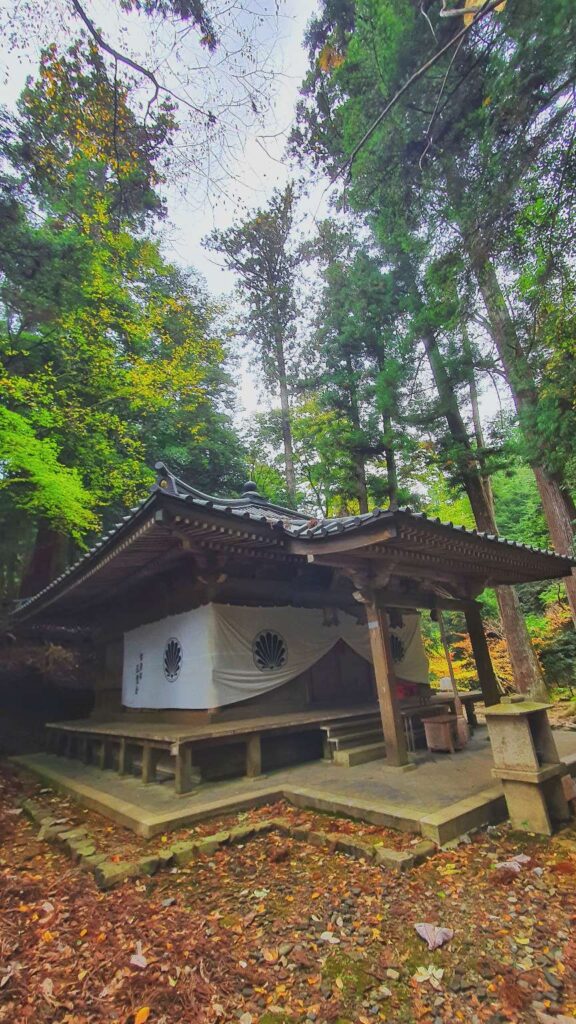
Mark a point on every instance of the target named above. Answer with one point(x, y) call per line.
point(165, 480)
point(250, 491)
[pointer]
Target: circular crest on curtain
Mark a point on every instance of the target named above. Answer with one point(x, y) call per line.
point(269, 650)
point(172, 660)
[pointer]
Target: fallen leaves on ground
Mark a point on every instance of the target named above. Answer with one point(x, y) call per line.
point(277, 930)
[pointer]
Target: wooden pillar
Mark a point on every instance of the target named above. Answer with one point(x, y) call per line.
point(394, 735)
point(84, 748)
point(102, 752)
point(486, 676)
point(122, 756)
point(148, 763)
point(183, 774)
point(253, 756)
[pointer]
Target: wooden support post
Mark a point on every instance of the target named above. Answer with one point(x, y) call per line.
point(102, 752)
point(253, 756)
point(470, 715)
point(122, 756)
point(148, 763)
point(84, 749)
point(486, 676)
point(394, 736)
point(183, 776)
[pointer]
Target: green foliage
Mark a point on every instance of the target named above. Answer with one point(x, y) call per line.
point(445, 501)
point(555, 639)
point(518, 510)
point(33, 480)
point(467, 183)
point(258, 249)
point(357, 376)
point(109, 357)
point(270, 483)
point(324, 442)
point(79, 145)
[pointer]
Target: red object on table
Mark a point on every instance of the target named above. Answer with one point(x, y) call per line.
point(405, 691)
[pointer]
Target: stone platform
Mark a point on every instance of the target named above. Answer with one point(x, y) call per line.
point(443, 797)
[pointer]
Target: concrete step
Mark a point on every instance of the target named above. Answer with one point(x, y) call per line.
point(359, 755)
point(366, 737)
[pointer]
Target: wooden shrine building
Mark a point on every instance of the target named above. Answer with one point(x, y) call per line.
point(236, 621)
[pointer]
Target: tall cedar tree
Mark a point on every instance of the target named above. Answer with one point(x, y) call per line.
point(354, 364)
point(260, 251)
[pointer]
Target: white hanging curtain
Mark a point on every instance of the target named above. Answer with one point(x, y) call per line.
point(222, 654)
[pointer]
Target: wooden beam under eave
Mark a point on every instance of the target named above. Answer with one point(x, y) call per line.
point(402, 563)
point(394, 737)
point(343, 542)
point(417, 599)
point(357, 563)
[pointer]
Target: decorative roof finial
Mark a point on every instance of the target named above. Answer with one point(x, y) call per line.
point(250, 491)
point(165, 481)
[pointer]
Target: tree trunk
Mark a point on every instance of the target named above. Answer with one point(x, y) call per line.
point(47, 561)
point(525, 667)
point(389, 453)
point(484, 667)
point(560, 525)
point(558, 508)
point(361, 485)
point(358, 459)
point(391, 467)
point(286, 422)
point(476, 418)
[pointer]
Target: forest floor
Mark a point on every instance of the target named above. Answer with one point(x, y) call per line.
point(276, 931)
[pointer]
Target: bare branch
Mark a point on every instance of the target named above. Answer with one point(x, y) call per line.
point(139, 68)
point(437, 104)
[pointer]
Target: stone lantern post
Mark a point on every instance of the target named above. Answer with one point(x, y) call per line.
point(527, 762)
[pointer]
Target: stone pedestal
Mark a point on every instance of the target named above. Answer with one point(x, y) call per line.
point(527, 762)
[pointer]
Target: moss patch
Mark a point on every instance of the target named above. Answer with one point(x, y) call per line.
point(353, 972)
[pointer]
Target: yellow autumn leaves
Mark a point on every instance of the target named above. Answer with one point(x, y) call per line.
point(473, 7)
point(330, 58)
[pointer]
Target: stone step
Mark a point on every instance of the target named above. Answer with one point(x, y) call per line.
point(364, 738)
point(351, 725)
point(359, 755)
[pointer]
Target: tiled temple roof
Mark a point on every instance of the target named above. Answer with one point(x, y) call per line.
point(280, 524)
